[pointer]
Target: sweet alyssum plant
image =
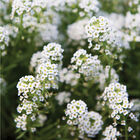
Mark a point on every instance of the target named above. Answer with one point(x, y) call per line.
point(74, 90)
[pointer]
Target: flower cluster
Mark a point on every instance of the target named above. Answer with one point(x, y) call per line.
point(63, 97)
point(53, 52)
point(68, 77)
point(48, 73)
point(33, 91)
point(74, 111)
point(85, 63)
point(4, 40)
point(116, 97)
point(90, 124)
point(98, 28)
point(102, 36)
point(82, 7)
point(22, 6)
point(27, 84)
point(21, 122)
point(36, 17)
point(51, 55)
point(31, 98)
point(111, 133)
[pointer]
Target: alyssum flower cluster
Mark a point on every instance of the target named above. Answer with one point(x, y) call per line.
point(88, 123)
point(33, 91)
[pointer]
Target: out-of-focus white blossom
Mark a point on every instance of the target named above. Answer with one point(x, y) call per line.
point(68, 77)
point(136, 106)
point(63, 97)
point(48, 32)
point(76, 31)
point(4, 40)
point(35, 59)
point(132, 23)
point(84, 6)
point(104, 75)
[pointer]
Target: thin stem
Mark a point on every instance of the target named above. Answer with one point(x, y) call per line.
point(126, 133)
point(126, 130)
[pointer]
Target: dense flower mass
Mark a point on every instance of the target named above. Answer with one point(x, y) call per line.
point(103, 37)
point(85, 63)
point(27, 84)
point(116, 97)
point(74, 111)
point(82, 7)
point(22, 6)
point(48, 73)
point(111, 133)
point(98, 28)
point(62, 93)
point(51, 55)
point(33, 90)
point(90, 123)
point(53, 52)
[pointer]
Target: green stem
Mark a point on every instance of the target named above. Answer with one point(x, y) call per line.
point(109, 74)
point(126, 133)
point(30, 138)
point(126, 130)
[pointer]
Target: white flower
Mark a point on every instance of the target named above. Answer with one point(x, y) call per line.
point(76, 31)
point(132, 25)
point(85, 63)
point(4, 40)
point(53, 51)
point(90, 123)
point(111, 133)
point(63, 97)
point(20, 6)
point(74, 111)
point(116, 97)
point(68, 76)
point(33, 90)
